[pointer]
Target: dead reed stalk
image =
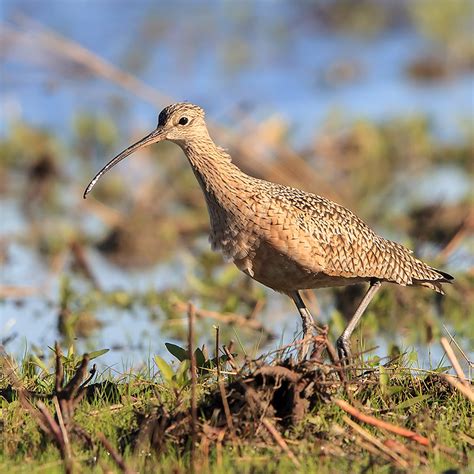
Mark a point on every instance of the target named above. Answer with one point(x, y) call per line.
point(192, 357)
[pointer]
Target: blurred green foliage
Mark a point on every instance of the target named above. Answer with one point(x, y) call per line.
point(165, 222)
point(151, 221)
point(449, 24)
point(94, 137)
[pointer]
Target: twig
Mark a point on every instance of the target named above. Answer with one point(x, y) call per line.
point(110, 408)
point(465, 390)
point(459, 348)
point(64, 400)
point(232, 362)
point(50, 423)
point(92, 373)
point(118, 459)
point(192, 357)
point(67, 445)
point(287, 170)
point(381, 424)
point(220, 382)
point(458, 237)
point(228, 318)
point(79, 54)
point(454, 362)
point(10, 291)
point(467, 438)
point(220, 438)
point(109, 216)
point(270, 427)
point(59, 375)
point(82, 262)
point(225, 404)
point(333, 355)
point(57, 431)
point(23, 396)
point(400, 448)
point(280, 441)
point(372, 439)
point(259, 304)
point(217, 353)
point(278, 372)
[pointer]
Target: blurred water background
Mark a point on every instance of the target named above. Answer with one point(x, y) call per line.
point(371, 106)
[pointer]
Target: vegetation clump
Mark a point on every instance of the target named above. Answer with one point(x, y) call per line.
point(250, 416)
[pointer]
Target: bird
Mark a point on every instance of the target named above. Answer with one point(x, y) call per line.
point(285, 238)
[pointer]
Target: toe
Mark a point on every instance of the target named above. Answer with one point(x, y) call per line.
point(343, 350)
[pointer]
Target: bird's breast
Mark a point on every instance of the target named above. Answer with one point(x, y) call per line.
point(233, 228)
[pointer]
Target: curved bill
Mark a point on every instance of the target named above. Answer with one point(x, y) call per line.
point(155, 136)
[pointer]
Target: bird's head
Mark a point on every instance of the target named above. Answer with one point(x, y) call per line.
point(180, 123)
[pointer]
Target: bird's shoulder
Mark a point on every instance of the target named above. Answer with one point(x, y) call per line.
point(318, 216)
point(324, 236)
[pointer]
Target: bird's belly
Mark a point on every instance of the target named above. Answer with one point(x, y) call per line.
point(281, 273)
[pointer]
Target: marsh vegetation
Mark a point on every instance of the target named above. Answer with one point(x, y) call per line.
point(113, 276)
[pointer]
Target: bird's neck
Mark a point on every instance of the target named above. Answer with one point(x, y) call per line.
point(213, 168)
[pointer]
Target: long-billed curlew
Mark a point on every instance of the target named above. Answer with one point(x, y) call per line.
point(285, 238)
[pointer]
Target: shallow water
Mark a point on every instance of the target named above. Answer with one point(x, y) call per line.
point(284, 73)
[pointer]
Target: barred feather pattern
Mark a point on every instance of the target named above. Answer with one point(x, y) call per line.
point(289, 239)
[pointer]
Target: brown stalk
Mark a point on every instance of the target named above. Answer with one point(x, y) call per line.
point(459, 348)
point(253, 397)
point(82, 262)
point(257, 309)
point(291, 167)
point(64, 434)
point(278, 372)
point(455, 363)
point(458, 237)
point(381, 424)
point(225, 404)
point(76, 53)
point(280, 441)
point(118, 459)
point(72, 389)
point(58, 433)
point(107, 215)
point(12, 291)
point(193, 369)
point(228, 318)
point(333, 357)
point(220, 382)
point(65, 401)
point(465, 390)
point(59, 376)
point(217, 353)
point(47, 420)
point(232, 362)
point(372, 439)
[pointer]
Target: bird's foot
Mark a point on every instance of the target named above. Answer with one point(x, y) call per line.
point(305, 347)
point(308, 336)
point(344, 351)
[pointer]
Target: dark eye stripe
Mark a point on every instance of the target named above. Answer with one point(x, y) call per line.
point(183, 120)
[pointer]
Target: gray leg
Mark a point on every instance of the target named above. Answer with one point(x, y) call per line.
point(343, 343)
point(308, 322)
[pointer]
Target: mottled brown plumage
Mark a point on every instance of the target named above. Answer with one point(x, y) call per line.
point(283, 237)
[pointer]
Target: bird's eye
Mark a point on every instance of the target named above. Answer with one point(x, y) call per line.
point(183, 120)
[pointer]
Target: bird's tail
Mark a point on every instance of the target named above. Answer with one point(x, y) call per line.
point(409, 270)
point(435, 285)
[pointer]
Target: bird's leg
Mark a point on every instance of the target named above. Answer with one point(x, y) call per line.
point(343, 343)
point(308, 322)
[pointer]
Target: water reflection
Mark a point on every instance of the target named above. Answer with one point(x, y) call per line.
point(244, 63)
